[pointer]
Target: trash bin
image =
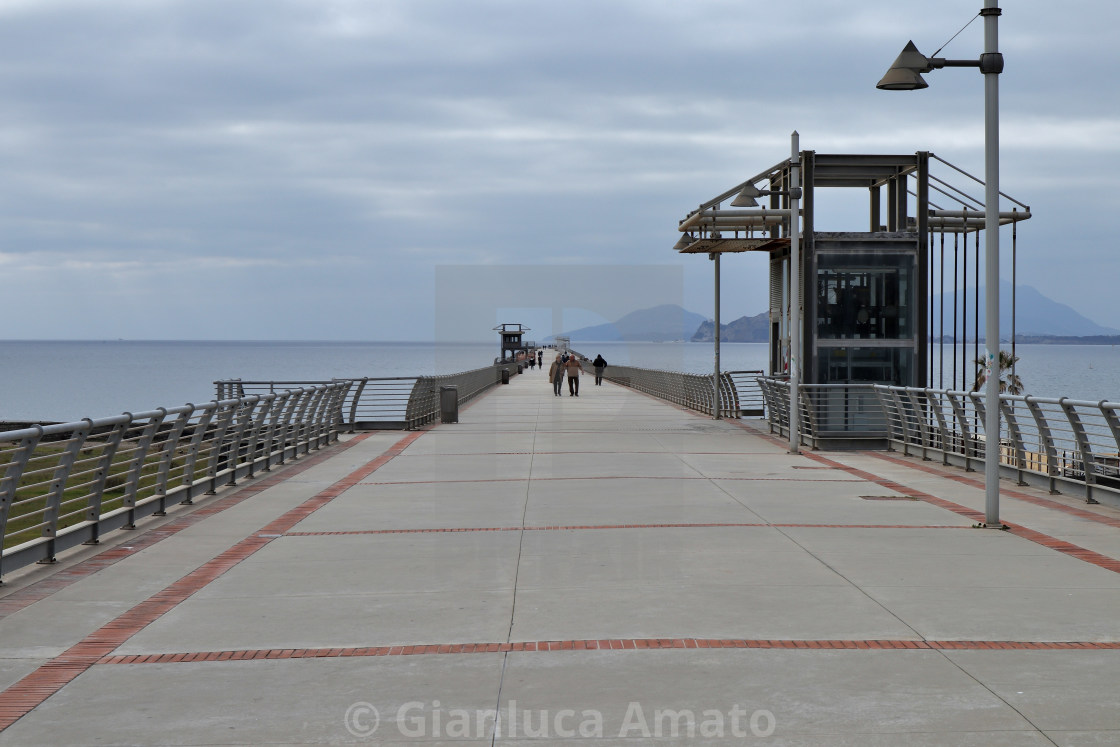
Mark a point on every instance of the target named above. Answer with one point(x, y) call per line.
point(520, 368)
point(505, 375)
point(449, 404)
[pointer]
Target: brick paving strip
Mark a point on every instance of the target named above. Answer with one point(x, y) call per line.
point(588, 527)
point(48, 679)
point(616, 644)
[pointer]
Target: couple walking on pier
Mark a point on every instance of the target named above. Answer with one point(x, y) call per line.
point(569, 364)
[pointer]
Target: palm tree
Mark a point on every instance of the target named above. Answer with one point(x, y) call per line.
point(1011, 385)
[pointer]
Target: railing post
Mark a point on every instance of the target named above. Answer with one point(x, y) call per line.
point(53, 499)
point(197, 438)
point(943, 431)
point(9, 483)
point(920, 419)
point(1046, 442)
point(101, 474)
point(966, 433)
point(167, 457)
point(1015, 434)
point(1088, 461)
point(136, 467)
point(225, 417)
point(354, 403)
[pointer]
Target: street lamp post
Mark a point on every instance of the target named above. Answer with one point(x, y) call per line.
point(905, 75)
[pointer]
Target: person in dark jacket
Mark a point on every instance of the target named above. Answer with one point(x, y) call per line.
point(556, 375)
point(572, 368)
point(600, 363)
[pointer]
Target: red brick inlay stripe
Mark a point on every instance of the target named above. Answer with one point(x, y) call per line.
point(614, 644)
point(615, 477)
point(51, 677)
point(145, 538)
point(562, 528)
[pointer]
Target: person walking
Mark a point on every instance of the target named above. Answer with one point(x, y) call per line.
point(600, 363)
point(556, 375)
point(532, 361)
point(572, 368)
point(540, 359)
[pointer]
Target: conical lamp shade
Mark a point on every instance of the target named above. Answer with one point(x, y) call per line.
point(904, 75)
point(746, 196)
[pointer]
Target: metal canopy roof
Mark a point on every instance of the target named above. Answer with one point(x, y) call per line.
point(860, 171)
point(728, 246)
point(706, 224)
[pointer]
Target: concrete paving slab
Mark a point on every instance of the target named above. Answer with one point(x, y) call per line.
point(1004, 614)
point(704, 611)
point(488, 442)
point(422, 505)
point(1056, 690)
point(364, 564)
point(14, 670)
point(600, 465)
point(790, 697)
point(835, 503)
point(293, 701)
point(433, 467)
point(48, 628)
point(922, 568)
point(627, 501)
point(351, 620)
point(986, 546)
point(756, 466)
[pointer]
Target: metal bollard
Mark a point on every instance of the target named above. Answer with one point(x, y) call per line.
point(449, 404)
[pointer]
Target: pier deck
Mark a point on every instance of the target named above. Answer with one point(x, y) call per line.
point(600, 567)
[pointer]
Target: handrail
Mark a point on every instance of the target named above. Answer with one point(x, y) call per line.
point(387, 402)
point(694, 391)
point(66, 484)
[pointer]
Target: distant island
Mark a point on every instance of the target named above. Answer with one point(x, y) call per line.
point(1041, 321)
point(665, 323)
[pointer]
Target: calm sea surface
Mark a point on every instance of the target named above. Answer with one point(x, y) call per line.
point(64, 381)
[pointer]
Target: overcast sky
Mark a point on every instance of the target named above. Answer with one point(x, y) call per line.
point(303, 169)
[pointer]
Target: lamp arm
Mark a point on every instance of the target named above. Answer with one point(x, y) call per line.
point(989, 62)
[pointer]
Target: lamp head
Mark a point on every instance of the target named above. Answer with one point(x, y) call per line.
point(905, 73)
point(685, 241)
point(746, 196)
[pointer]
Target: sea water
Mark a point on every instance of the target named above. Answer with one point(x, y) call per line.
point(66, 381)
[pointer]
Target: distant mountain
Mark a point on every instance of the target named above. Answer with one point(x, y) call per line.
point(1038, 316)
point(744, 329)
point(659, 324)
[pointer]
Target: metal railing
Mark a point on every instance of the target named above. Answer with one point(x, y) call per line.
point(693, 391)
point(68, 484)
point(1044, 441)
point(748, 392)
point(386, 403)
point(831, 415)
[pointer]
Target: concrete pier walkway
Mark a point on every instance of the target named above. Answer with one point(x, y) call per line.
point(607, 569)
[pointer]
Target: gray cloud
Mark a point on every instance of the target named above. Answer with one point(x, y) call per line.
point(216, 159)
